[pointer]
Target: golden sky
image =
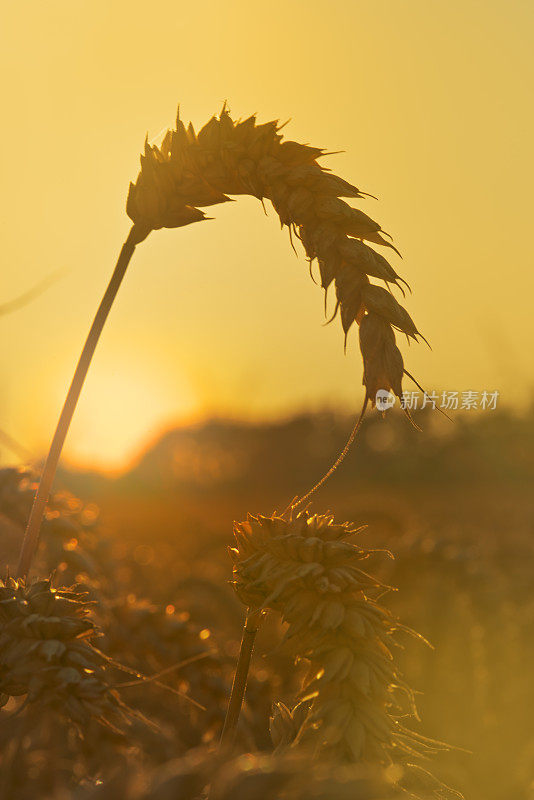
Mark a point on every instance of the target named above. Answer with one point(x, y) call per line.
point(431, 102)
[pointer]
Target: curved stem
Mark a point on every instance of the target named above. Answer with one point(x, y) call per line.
point(239, 684)
point(31, 536)
point(341, 457)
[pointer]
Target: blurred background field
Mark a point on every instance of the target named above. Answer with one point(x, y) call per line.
point(454, 505)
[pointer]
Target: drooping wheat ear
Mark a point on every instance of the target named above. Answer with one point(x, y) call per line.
point(189, 171)
point(227, 158)
point(352, 701)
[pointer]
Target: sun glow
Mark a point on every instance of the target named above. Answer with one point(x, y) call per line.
point(121, 409)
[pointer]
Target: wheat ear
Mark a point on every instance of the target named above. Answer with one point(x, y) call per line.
point(353, 698)
point(46, 654)
point(227, 157)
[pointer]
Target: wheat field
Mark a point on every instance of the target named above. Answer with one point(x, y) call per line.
point(231, 619)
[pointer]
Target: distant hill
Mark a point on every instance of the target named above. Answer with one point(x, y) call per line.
point(491, 446)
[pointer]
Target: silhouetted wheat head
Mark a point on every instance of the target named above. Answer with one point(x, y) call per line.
point(192, 170)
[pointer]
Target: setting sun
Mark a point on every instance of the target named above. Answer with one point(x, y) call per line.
point(121, 410)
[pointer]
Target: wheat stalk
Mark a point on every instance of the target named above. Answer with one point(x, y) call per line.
point(31, 536)
point(189, 171)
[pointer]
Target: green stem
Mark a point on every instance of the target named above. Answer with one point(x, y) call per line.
point(31, 536)
point(239, 684)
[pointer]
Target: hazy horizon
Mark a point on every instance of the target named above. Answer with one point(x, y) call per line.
point(222, 318)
